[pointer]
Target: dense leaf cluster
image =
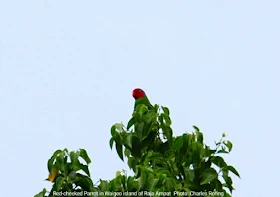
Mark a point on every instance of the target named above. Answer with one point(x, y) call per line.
point(163, 164)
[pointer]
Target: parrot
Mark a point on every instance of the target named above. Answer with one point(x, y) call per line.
point(150, 130)
point(141, 98)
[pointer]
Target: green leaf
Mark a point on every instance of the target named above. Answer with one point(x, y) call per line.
point(143, 178)
point(119, 185)
point(130, 123)
point(140, 110)
point(84, 155)
point(178, 143)
point(165, 110)
point(146, 130)
point(73, 157)
point(166, 118)
point(60, 160)
point(219, 161)
point(72, 176)
point(157, 159)
point(165, 149)
point(167, 131)
point(196, 128)
point(162, 171)
point(127, 152)
point(113, 130)
point(85, 183)
point(153, 155)
point(162, 178)
point(59, 182)
point(123, 181)
point(42, 193)
point(150, 117)
point(76, 166)
point(233, 170)
point(208, 176)
point(189, 173)
point(199, 137)
point(118, 173)
point(152, 182)
point(160, 119)
point(51, 160)
point(190, 139)
point(208, 151)
point(197, 152)
point(222, 151)
point(112, 185)
point(111, 142)
point(128, 141)
point(139, 126)
point(170, 184)
point(155, 108)
point(136, 185)
point(130, 184)
point(118, 138)
point(229, 184)
point(136, 147)
point(225, 174)
point(151, 140)
point(119, 149)
point(217, 185)
point(228, 144)
point(226, 194)
point(84, 168)
point(104, 185)
point(132, 162)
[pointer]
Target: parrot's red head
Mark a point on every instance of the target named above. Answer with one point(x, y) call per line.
point(138, 93)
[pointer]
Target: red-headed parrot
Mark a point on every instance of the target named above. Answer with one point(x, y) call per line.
point(141, 98)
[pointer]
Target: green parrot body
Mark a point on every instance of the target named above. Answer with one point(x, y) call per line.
point(147, 129)
point(141, 98)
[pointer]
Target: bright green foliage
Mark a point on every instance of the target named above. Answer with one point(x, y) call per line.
point(73, 173)
point(144, 101)
point(161, 162)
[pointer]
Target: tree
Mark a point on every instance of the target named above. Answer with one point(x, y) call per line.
point(164, 165)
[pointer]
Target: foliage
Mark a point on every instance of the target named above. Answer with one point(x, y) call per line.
point(164, 165)
point(68, 173)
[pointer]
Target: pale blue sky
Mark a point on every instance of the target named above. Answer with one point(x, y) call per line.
point(67, 69)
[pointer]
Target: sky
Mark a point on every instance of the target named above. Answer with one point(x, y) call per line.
point(67, 70)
